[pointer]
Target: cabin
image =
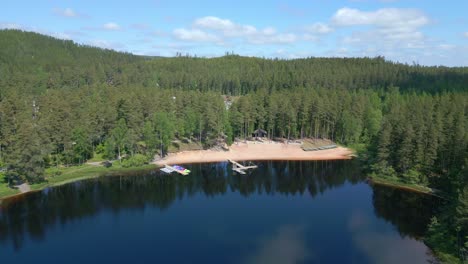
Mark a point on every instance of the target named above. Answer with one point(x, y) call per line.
point(259, 133)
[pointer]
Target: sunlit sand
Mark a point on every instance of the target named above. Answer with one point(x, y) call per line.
point(256, 151)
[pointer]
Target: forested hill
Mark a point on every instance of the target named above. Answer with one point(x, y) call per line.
point(63, 103)
point(35, 62)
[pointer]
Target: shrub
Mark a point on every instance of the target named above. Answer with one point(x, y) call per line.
point(135, 161)
point(415, 177)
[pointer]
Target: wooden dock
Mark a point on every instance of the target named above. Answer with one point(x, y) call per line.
point(239, 168)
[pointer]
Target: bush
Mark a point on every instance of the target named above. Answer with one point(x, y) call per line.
point(384, 171)
point(100, 149)
point(413, 176)
point(135, 161)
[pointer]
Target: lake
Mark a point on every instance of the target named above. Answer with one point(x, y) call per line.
point(282, 212)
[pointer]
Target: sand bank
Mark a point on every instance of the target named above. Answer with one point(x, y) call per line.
point(256, 151)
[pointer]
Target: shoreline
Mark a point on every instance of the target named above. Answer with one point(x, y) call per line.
point(255, 151)
point(90, 171)
point(401, 185)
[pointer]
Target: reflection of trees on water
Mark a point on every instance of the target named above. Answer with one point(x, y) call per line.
point(33, 214)
point(409, 211)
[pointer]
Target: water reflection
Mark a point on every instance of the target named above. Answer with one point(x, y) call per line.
point(288, 245)
point(34, 215)
point(410, 212)
point(385, 247)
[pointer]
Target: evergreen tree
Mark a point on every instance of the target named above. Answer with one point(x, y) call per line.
point(118, 138)
point(82, 148)
point(25, 160)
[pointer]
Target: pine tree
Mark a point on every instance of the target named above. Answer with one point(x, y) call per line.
point(164, 128)
point(118, 137)
point(82, 148)
point(25, 161)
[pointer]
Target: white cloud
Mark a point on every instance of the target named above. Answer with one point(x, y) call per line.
point(392, 32)
point(215, 23)
point(465, 34)
point(194, 35)
point(75, 33)
point(268, 31)
point(217, 29)
point(288, 245)
point(111, 26)
point(67, 12)
point(55, 34)
point(10, 26)
point(225, 26)
point(402, 19)
point(106, 44)
point(310, 37)
point(319, 28)
point(447, 46)
point(261, 38)
point(61, 35)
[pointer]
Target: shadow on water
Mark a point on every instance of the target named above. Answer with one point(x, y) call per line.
point(32, 215)
point(410, 212)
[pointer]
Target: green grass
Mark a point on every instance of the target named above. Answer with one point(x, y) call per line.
point(181, 146)
point(401, 185)
point(4, 189)
point(68, 175)
point(446, 258)
point(358, 148)
point(97, 157)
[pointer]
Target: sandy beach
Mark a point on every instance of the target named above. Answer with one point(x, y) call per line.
point(256, 151)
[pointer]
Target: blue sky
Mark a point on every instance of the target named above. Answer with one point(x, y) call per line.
point(410, 31)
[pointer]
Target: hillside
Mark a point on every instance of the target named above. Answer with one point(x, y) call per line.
point(35, 62)
point(62, 104)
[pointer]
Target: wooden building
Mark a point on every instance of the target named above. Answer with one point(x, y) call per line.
point(259, 133)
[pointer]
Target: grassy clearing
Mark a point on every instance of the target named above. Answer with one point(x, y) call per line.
point(60, 176)
point(178, 146)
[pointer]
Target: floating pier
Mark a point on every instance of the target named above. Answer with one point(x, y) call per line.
point(169, 169)
point(239, 168)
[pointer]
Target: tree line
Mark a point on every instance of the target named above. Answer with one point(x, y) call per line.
point(35, 63)
point(62, 104)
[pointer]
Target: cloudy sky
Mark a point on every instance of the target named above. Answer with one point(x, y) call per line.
point(428, 32)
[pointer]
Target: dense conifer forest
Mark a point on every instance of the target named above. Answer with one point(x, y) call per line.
point(61, 102)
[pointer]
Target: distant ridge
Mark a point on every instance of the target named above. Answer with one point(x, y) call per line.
point(33, 63)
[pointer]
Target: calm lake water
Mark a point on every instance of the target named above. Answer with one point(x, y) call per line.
point(283, 212)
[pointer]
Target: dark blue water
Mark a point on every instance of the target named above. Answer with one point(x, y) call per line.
point(283, 212)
